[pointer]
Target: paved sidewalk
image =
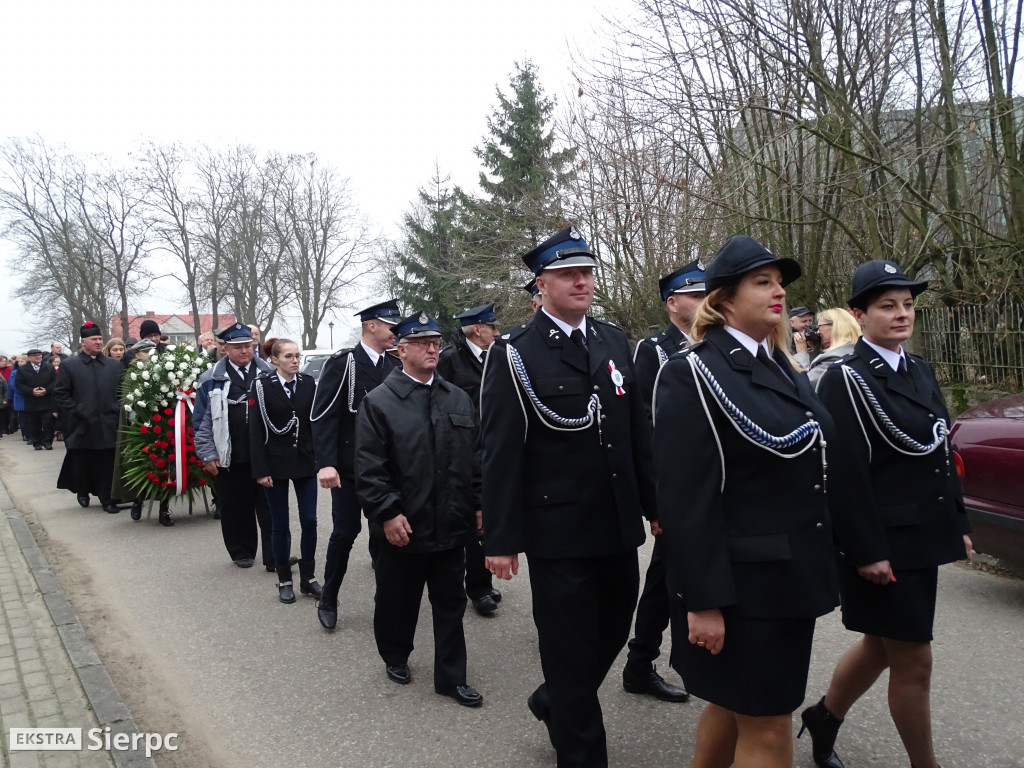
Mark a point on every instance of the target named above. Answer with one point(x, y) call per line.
point(50, 674)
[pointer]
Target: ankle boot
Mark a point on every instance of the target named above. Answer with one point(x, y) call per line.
point(823, 727)
point(165, 515)
point(284, 586)
point(307, 581)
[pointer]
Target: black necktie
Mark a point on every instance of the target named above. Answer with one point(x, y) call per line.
point(904, 373)
point(380, 363)
point(289, 387)
point(579, 340)
point(772, 366)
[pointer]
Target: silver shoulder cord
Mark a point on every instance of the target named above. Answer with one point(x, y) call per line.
point(662, 354)
point(350, 374)
point(749, 429)
point(885, 426)
point(548, 417)
point(270, 426)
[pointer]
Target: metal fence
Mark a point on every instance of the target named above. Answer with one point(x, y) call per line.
point(974, 344)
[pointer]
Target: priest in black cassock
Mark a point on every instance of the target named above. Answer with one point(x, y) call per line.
point(86, 394)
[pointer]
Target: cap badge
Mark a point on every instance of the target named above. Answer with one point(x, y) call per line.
point(700, 265)
point(575, 234)
point(890, 269)
point(423, 318)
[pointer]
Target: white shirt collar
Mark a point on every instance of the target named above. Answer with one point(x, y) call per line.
point(475, 350)
point(890, 357)
point(241, 371)
point(566, 328)
point(748, 343)
point(427, 384)
point(373, 354)
point(283, 380)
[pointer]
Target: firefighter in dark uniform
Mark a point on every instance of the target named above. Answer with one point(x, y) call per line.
point(682, 291)
point(463, 365)
point(740, 457)
point(418, 479)
point(345, 380)
point(899, 515)
point(567, 479)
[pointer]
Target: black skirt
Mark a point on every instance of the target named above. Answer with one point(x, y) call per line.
point(900, 610)
point(761, 670)
point(87, 471)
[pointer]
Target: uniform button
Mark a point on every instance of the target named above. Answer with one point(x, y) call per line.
point(942, 498)
point(609, 446)
point(819, 526)
point(817, 487)
point(809, 414)
point(545, 498)
point(931, 415)
point(560, 387)
point(614, 475)
point(938, 471)
point(814, 449)
point(597, 388)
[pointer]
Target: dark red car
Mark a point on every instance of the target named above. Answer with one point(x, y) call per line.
point(988, 441)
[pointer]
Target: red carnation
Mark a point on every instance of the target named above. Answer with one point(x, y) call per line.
point(157, 417)
point(160, 463)
point(155, 479)
point(170, 422)
point(143, 429)
point(153, 457)
point(202, 481)
point(251, 402)
point(168, 411)
point(157, 430)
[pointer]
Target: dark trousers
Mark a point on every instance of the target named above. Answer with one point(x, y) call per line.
point(583, 609)
point(652, 614)
point(347, 519)
point(400, 580)
point(40, 427)
point(281, 534)
point(478, 578)
point(242, 504)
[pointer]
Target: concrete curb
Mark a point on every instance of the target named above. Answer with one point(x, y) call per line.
point(106, 702)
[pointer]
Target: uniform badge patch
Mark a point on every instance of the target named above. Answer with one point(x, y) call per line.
point(617, 379)
point(890, 269)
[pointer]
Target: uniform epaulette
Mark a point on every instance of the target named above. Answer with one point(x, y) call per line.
point(605, 322)
point(512, 334)
point(684, 352)
point(343, 352)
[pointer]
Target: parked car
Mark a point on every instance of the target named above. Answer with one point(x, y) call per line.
point(312, 361)
point(988, 445)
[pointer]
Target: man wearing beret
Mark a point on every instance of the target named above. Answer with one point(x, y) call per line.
point(86, 394)
point(682, 290)
point(566, 448)
point(418, 480)
point(347, 377)
point(463, 365)
point(35, 381)
point(222, 444)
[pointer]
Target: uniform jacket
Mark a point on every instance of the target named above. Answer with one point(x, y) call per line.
point(334, 426)
point(14, 395)
point(87, 394)
point(210, 417)
point(29, 379)
point(760, 538)
point(554, 493)
point(281, 456)
point(905, 509)
point(653, 352)
point(459, 365)
point(415, 456)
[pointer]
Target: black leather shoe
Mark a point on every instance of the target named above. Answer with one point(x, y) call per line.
point(83, 499)
point(165, 518)
point(137, 510)
point(652, 684)
point(538, 704)
point(399, 673)
point(495, 595)
point(111, 509)
point(823, 727)
point(244, 562)
point(286, 592)
point(327, 614)
point(48, 447)
point(39, 447)
point(485, 605)
point(466, 695)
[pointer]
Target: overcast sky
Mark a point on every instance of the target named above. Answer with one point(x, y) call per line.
point(381, 90)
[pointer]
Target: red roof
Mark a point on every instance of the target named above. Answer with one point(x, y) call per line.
point(135, 322)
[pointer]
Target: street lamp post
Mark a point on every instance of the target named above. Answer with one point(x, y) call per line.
point(331, 326)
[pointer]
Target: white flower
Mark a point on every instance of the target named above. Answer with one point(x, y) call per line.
point(163, 403)
point(164, 389)
point(145, 375)
point(190, 348)
point(128, 407)
point(183, 365)
point(135, 376)
point(141, 404)
point(169, 365)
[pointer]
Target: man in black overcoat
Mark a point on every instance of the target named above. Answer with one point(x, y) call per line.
point(463, 365)
point(346, 378)
point(87, 395)
point(36, 381)
point(567, 474)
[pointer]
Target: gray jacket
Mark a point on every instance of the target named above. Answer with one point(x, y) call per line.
point(210, 417)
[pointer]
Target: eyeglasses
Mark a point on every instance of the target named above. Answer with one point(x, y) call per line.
point(426, 343)
point(821, 324)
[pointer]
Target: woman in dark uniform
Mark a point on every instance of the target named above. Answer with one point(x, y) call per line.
point(739, 445)
point(281, 443)
point(899, 514)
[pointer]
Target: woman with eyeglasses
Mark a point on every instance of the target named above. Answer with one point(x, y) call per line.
point(281, 443)
point(839, 333)
point(899, 514)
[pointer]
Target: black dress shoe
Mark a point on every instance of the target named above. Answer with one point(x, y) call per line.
point(48, 447)
point(83, 499)
point(466, 695)
point(495, 595)
point(652, 684)
point(244, 562)
point(38, 447)
point(485, 605)
point(399, 673)
point(137, 510)
point(166, 519)
point(538, 704)
point(111, 509)
point(327, 614)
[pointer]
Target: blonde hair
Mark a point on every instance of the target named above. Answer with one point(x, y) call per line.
point(710, 313)
point(845, 329)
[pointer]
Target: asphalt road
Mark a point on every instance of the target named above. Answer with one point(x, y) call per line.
point(200, 647)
